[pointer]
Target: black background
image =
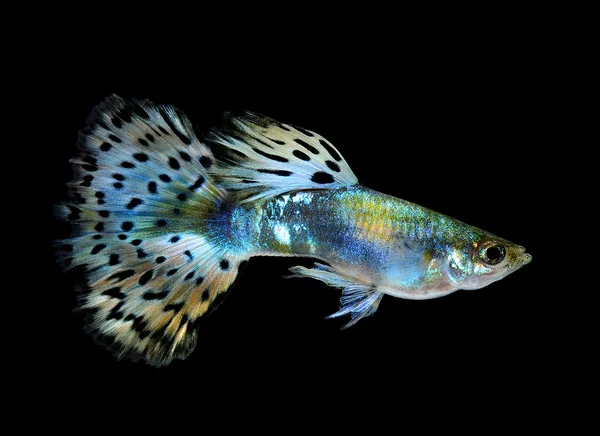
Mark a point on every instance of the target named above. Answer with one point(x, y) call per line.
point(452, 124)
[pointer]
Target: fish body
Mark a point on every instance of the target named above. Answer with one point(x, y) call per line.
point(162, 221)
point(394, 245)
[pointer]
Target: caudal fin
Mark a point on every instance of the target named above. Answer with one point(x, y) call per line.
point(142, 220)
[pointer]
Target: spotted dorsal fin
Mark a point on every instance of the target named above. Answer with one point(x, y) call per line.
point(262, 158)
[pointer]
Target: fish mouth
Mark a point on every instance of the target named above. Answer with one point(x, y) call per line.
point(524, 258)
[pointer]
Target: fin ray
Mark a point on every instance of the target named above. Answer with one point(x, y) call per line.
point(359, 300)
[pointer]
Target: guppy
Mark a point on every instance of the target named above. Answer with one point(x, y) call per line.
point(162, 221)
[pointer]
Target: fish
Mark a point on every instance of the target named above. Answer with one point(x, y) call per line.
point(163, 218)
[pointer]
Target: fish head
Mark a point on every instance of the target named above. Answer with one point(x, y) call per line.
point(482, 260)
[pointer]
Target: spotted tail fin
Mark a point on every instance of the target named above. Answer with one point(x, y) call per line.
point(143, 225)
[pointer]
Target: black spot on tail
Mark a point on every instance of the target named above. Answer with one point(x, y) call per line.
point(87, 181)
point(122, 275)
point(127, 226)
point(134, 203)
point(146, 277)
point(189, 275)
point(224, 264)
point(99, 227)
point(114, 259)
point(283, 173)
point(152, 187)
point(115, 312)
point(127, 164)
point(161, 223)
point(74, 214)
point(114, 138)
point(155, 295)
point(176, 307)
point(139, 325)
point(143, 142)
point(174, 163)
point(164, 178)
point(98, 248)
point(175, 239)
point(119, 177)
point(206, 162)
point(114, 293)
point(140, 157)
point(186, 157)
point(197, 184)
point(116, 122)
point(205, 295)
point(105, 146)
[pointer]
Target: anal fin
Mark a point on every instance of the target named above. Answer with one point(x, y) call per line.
point(358, 300)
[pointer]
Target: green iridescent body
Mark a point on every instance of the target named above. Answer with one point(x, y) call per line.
point(396, 246)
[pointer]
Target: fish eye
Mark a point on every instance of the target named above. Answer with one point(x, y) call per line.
point(492, 253)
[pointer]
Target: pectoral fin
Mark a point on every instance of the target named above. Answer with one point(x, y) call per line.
point(358, 299)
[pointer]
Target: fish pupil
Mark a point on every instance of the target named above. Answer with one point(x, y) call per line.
point(494, 254)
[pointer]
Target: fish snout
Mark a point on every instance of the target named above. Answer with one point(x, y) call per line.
point(524, 257)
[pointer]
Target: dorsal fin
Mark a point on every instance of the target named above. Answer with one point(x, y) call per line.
point(263, 158)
